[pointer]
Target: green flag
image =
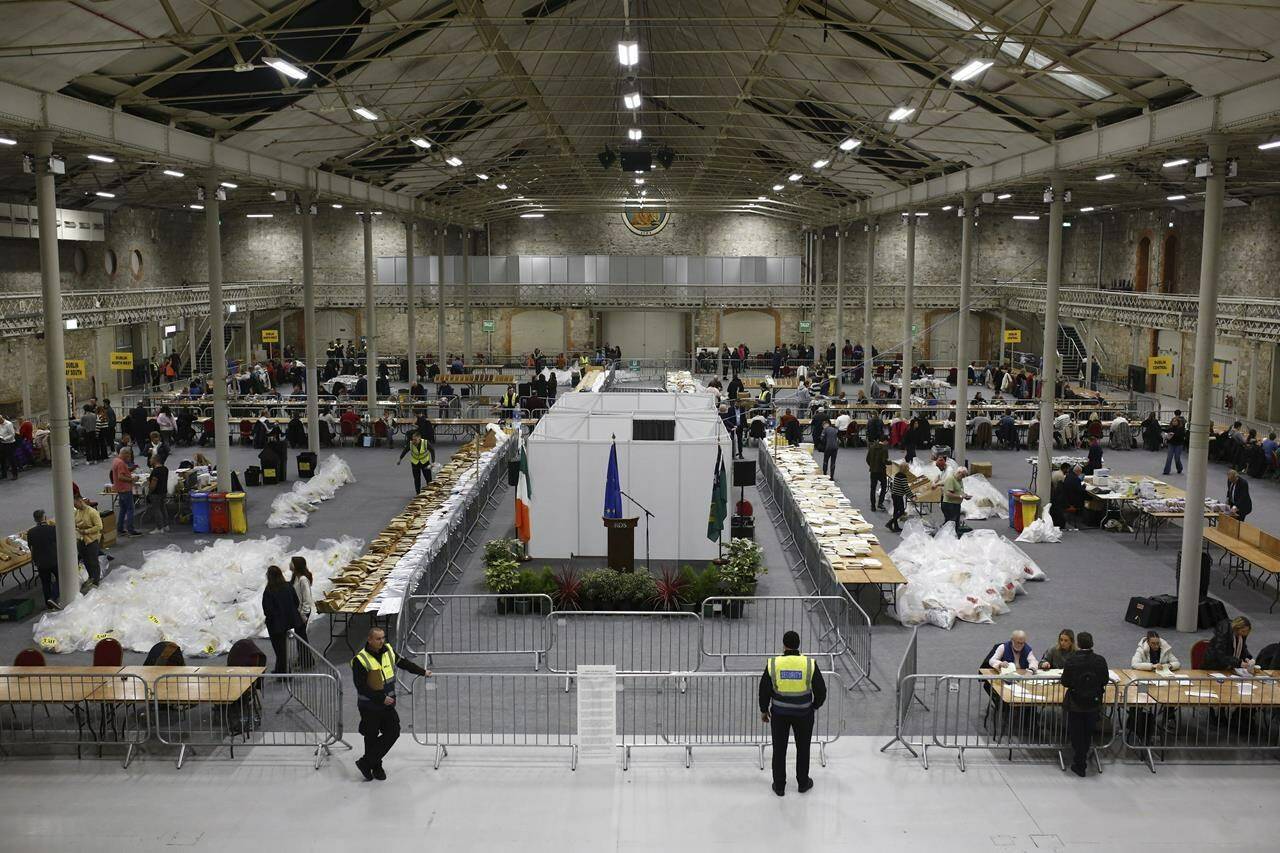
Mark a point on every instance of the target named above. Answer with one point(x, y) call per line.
point(719, 501)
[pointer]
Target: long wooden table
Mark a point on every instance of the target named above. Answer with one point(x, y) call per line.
point(1245, 546)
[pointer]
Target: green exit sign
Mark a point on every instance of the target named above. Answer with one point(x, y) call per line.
point(490, 326)
point(806, 326)
point(915, 328)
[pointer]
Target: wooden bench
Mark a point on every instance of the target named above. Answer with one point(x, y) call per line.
point(1247, 547)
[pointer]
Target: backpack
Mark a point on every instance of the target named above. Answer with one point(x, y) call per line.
point(1090, 686)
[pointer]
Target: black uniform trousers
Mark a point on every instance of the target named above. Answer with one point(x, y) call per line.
point(781, 726)
point(1080, 726)
point(829, 463)
point(380, 725)
point(882, 480)
point(418, 472)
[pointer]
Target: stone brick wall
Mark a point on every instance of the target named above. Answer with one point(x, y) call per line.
point(714, 235)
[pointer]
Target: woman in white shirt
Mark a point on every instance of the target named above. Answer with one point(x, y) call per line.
point(301, 579)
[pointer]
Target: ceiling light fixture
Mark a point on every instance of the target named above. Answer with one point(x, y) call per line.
point(102, 194)
point(794, 176)
point(531, 216)
point(174, 173)
point(1108, 176)
point(288, 69)
point(258, 215)
point(971, 69)
point(821, 163)
point(1181, 161)
point(1027, 217)
point(628, 53)
point(453, 160)
point(336, 206)
point(1086, 210)
point(101, 158)
point(762, 198)
point(420, 141)
point(365, 113)
point(631, 100)
point(901, 113)
point(946, 207)
point(519, 198)
point(502, 186)
point(635, 134)
point(850, 144)
point(229, 185)
point(922, 213)
point(1004, 196)
point(778, 187)
point(482, 176)
point(196, 206)
point(4, 140)
point(1175, 198)
point(1267, 146)
point(639, 182)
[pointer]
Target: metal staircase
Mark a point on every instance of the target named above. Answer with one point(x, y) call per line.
point(1072, 351)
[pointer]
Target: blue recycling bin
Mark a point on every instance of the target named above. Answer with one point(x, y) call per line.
point(200, 522)
point(1015, 507)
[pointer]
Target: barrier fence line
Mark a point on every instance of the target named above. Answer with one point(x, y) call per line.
point(80, 710)
point(493, 709)
point(315, 696)
point(905, 695)
point(655, 642)
point(752, 626)
point(812, 564)
point(476, 625)
point(1231, 714)
point(194, 710)
point(670, 710)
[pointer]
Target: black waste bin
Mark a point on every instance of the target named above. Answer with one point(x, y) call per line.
point(306, 465)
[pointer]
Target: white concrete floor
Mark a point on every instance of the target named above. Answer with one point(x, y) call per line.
point(495, 799)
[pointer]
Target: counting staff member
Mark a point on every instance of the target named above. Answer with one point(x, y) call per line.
point(374, 672)
point(791, 690)
point(510, 401)
point(420, 457)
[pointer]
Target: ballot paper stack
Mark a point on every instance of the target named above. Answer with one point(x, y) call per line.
point(843, 535)
point(376, 581)
point(682, 382)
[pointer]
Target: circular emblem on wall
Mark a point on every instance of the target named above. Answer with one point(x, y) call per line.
point(646, 219)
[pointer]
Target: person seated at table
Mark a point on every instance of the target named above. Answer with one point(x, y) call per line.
point(978, 399)
point(1229, 649)
point(1056, 657)
point(1238, 499)
point(1073, 497)
point(296, 431)
point(789, 426)
point(1154, 651)
point(1016, 651)
point(1007, 431)
point(446, 394)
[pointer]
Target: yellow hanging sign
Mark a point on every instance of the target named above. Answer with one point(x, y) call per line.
point(1217, 373)
point(122, 361)
point(1159, 365)
point(1013, 336)
point(271, 336)
point(75, 368)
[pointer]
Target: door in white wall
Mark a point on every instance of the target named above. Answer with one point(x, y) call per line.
point(334, 324)
point(541, 329)
point(646, 334)
point(757, 329)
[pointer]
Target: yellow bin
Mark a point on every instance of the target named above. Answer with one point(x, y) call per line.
point(1030, 507)
point(238, 521)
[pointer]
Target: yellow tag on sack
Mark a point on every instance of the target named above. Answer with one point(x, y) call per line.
point(153, 619)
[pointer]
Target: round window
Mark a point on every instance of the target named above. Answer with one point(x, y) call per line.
point(109, 262)
point(79, 261)
point(135, 263)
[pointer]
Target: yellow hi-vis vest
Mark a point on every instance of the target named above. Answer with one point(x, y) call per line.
point(510, 400)
point(381, 673)
point(792, 678)
point(419, 453)
point(766, 395)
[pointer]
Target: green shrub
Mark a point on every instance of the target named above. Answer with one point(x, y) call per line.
point(636, 591)
point(499, 549)
point(502, 576)
point(600, 588)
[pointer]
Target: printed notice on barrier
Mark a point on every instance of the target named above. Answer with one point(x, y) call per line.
point(597, 714)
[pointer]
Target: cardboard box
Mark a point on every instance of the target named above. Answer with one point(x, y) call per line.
point(983, 468)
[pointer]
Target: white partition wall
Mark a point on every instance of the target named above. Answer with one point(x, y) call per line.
point(647, 334)
point(569, 456)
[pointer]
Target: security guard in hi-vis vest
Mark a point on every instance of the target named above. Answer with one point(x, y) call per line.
point(791, 690)
point(374, 672)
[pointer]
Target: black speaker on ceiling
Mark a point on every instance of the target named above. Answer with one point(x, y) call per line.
point(607, 158)
point(636, 161)
point(666, 157)
point(744, 472)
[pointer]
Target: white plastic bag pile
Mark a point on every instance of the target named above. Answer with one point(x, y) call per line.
point(972, 578)
point(985, 501)
point(202, 600)
point(292, 508)
point(1041, 530)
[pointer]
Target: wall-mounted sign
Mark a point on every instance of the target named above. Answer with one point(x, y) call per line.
point(75, 368)
point(1217, 373)
point(489, 326)
point(806, 326)
point(122, 361)
point(646, 218)
point(1013, 336)
point(1159, 365)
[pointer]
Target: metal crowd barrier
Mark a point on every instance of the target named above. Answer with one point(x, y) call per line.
point(712, 709)
point(476, 625)
point(315, 696)
point(635, 642)
point(991, 712)
point(906, 695)
point(810, 563)
point(492, 709)
point(1223, 716)
point(752, 626)
point(79, 710)
point(211, 710)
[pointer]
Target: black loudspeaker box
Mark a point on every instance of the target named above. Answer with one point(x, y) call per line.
point(744, 472)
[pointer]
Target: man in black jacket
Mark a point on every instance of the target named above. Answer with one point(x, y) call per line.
point(1238, 495)
point(43, 542)
point(374, 671)
point(1085, 677)
point(791, 691)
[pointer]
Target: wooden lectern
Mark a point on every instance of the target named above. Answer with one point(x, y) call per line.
point(622, 537)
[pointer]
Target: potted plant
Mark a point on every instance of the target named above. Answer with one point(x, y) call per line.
point(600, 589)
point(745, 560)
point(501, 577)
point(636, 591)
point(707, 586)
point(567, 592)
point(671, 591)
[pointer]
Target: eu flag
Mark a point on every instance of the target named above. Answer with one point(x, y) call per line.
point(612, 488)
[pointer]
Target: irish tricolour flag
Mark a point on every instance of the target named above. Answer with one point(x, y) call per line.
point(524, 498)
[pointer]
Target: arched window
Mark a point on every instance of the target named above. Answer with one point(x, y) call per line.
point(1169, 264)
point(1142, 272)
